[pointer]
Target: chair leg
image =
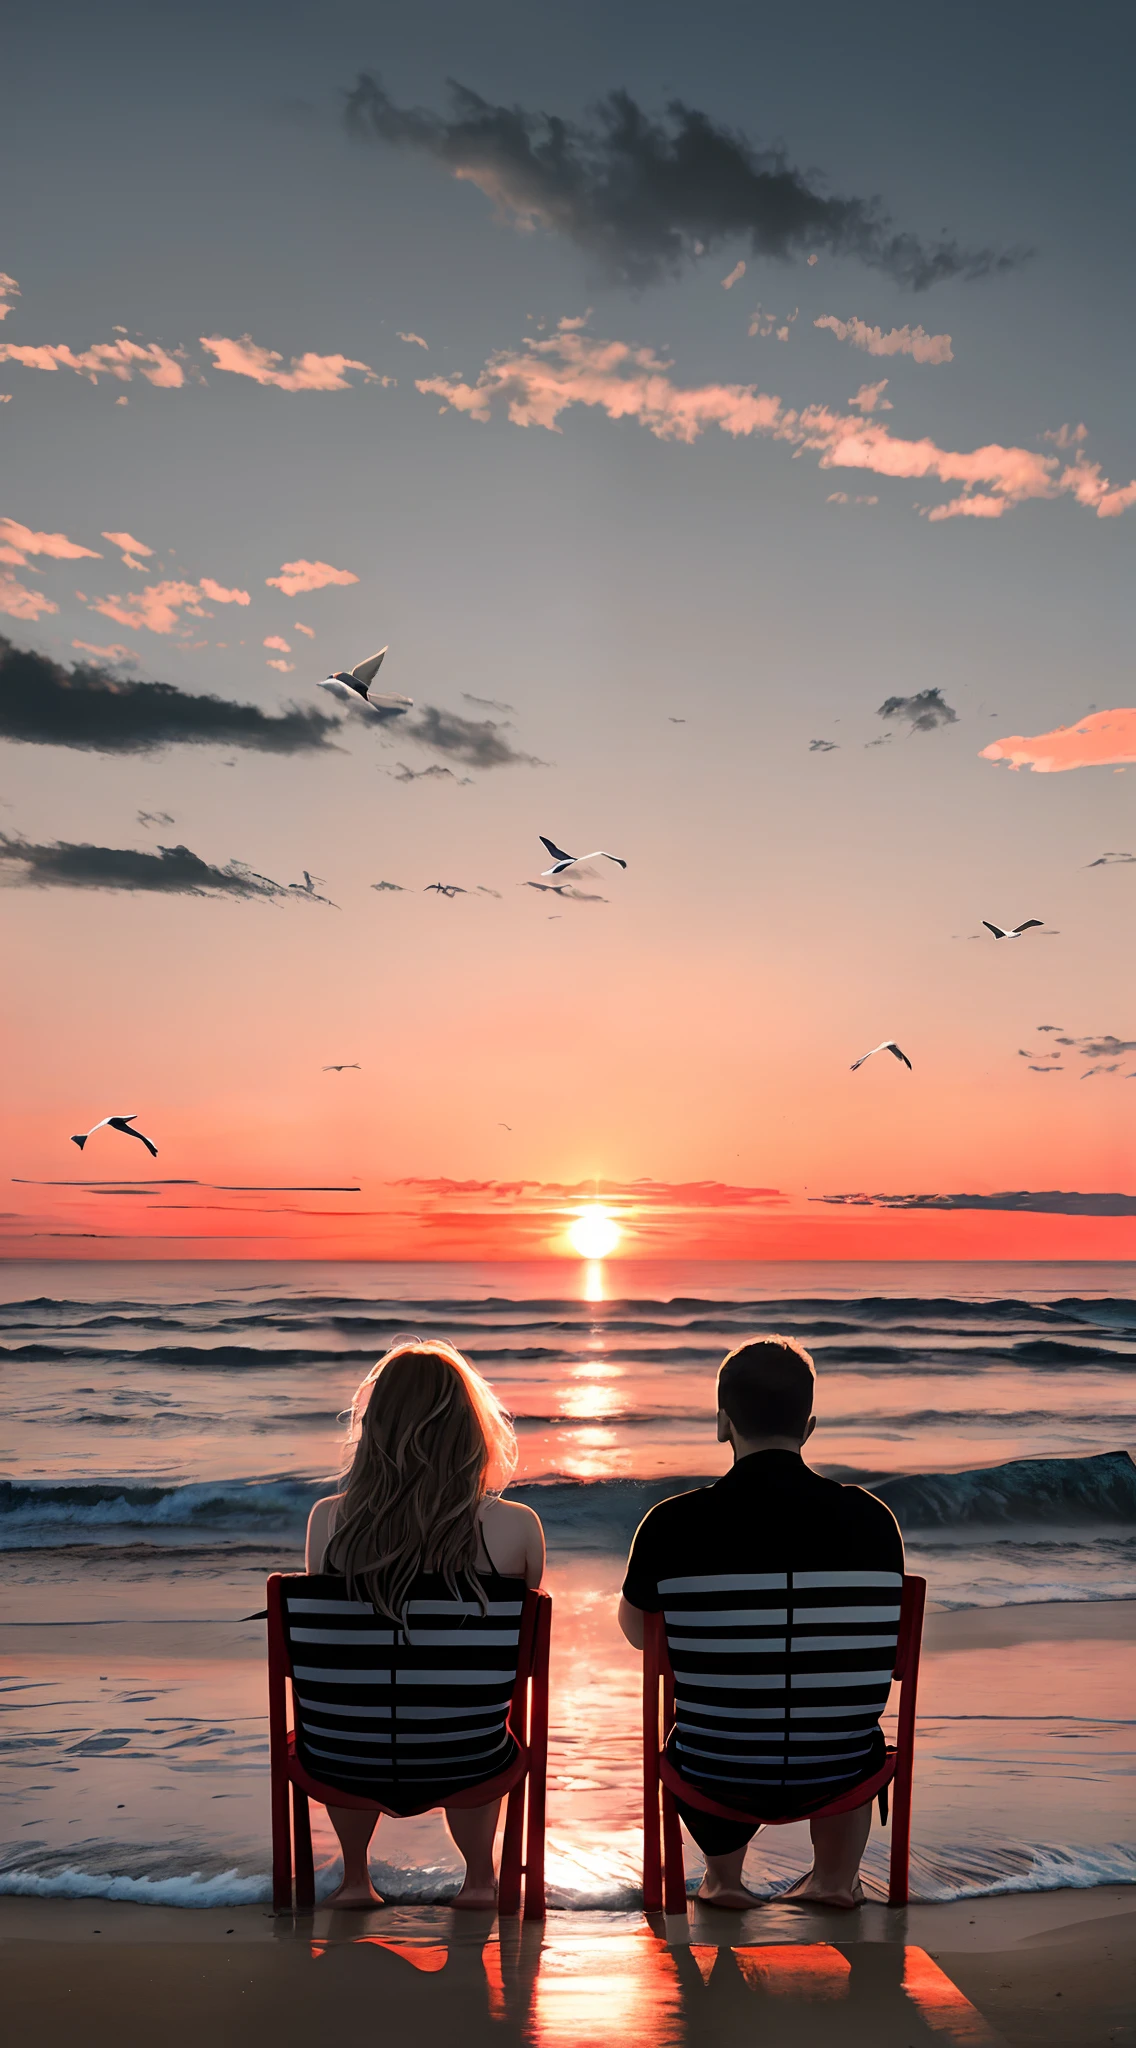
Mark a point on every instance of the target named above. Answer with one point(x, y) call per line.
point(674, 1869)
point(534, 1845)
point(898, 1874)
point(509, 1880)
point(281, 1846)
point(305, 1869)
point(652, 1856)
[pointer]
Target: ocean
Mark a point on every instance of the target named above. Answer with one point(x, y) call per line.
point(167, 1426)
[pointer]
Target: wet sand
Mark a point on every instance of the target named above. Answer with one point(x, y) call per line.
point(1051, 1970)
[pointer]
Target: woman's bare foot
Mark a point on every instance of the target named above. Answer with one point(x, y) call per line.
point(475, 1898)
point(807, 1892)
point(734, 1898)
point(355, 1898)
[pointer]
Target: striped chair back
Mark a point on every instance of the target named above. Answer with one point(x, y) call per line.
point(779, 1677)
point(423, 1707)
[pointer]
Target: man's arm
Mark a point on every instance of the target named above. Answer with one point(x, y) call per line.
point(631, 1622)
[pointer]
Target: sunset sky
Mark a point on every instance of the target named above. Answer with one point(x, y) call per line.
point(671, 470)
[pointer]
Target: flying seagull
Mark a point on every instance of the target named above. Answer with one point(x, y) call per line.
point(348, 1067)
point(886, 1045)
point(564, 860)
point(504, 1127)
point(1018, 928)
point(116, 1123)
point(447, 888)
point(356, 686)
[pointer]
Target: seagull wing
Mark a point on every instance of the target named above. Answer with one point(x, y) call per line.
point(863, 1056)
point(388, 707)
point(600, 855)
point(345, 692)
point(123, 1123)
point(557, 852)
point(365, 672)
point(1028, 925)
point(891, 1046)
point(995, 928)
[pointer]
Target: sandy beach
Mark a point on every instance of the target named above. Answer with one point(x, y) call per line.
point(1046, 1971)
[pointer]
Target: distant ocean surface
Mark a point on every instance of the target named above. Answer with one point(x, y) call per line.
point(167, 1426)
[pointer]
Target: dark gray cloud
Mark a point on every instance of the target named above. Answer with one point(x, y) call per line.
point(154, 818)
point(400, 886)
point(171, 871)
point(404, 774)
point(1111, 860)
point(47, 705)
point(486, 703)
point(823, 746)
point(476, 742)
point(1050, 1202)
point(1050, 1027)
point(923, 712)
point(647, 195)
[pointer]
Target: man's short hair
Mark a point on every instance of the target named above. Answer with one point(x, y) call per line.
point(766, 1387)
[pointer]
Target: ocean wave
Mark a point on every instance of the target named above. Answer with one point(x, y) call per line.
point(1029, 1492)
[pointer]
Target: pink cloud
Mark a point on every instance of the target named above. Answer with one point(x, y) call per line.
point(869, 398)
point(106, 359)
point(764, 324)
point(1067, 436)
point(130, 548)
point(157, 608)
point(416, 339)
point(898, 341)
point(307, 631)
point(245, 358)
point(218, 593)
point(19, 602)
point(1106, 739)
point(537, 384)
point(738, 271)
point(297, 577)
point(285, 667)
point(112, 653)
point(274, 640)
point(18, 542)
point(9, 290)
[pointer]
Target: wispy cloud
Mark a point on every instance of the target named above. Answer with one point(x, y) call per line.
point(824, 746)
point(763, 324)
point(738, 272)
point(435, 771)
point(19, 601)
point(566, 889)
point(246, 358)
point(18, 542)
point(130, 549)
point(9, 290)
point(647, 195)
point(45, 704)
point(486, 703)
point(1113, 860)
point(535, 385)
point(414, 339)
point(105, 359)
point(397, 886)
point(158, 607)
point(122, 657)
point(217, 593)
point(869, 398)
point(171, 871)
point(297, 577)
point(275, 640)
point(1102, 740)
point(898, 341)
point(844, 498)
point(923, 712)
point(478, 743)
point(286, 668)
point(1049, 1202)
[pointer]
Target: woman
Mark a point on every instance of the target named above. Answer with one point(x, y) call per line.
point(419, 1532)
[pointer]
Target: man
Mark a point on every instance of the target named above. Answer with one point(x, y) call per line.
point(780, 1592)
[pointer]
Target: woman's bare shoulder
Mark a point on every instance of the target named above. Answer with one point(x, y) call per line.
point(319, 1529)
point(509, 1513)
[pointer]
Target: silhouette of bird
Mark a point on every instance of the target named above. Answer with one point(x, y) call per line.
point(447, 888)
point(562, 860)
point(348, 1067)
point(1017, 930)
point(116, 1123)
point(886, 1045)
point(504, 1127)
point(356, 686)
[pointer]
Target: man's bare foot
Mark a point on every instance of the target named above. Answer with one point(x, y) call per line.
point(475, 1898)
point(733, 1898)
point(354, 1898)
point(806, 1892)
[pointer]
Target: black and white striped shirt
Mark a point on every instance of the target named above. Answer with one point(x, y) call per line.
point(380, 1709)
point(780, 1592)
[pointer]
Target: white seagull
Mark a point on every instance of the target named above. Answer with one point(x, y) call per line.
point(564, 860)
point(116, 1123)
point(357, 687)
point(1017, 930)
point(886, 1045)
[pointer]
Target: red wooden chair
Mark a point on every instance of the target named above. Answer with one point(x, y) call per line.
point(525, 1781)
point(664, 1878)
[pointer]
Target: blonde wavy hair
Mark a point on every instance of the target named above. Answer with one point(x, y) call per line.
point(430, 1442)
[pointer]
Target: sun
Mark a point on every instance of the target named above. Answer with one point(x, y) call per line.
point(594, 1234)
